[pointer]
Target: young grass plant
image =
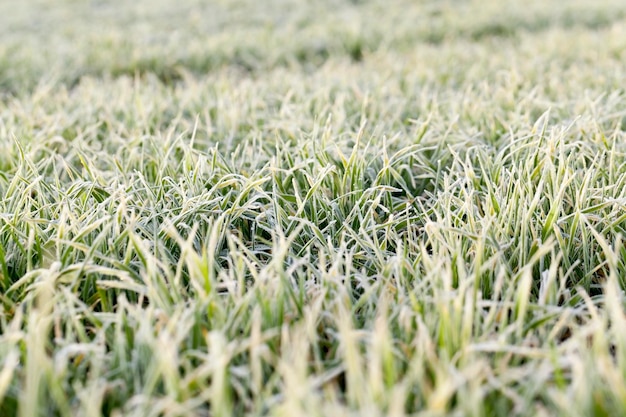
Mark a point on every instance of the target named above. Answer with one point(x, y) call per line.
point(357, 208)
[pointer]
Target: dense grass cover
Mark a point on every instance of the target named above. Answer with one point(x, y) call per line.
point(326, 208)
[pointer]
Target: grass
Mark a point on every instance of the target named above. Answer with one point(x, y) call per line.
point(312, 208)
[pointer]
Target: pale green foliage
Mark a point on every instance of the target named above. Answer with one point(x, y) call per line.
point(325, 208)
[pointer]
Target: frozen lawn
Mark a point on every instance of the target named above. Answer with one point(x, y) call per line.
point(324, 208)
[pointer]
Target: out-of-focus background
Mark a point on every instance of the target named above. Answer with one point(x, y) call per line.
point(69, 39)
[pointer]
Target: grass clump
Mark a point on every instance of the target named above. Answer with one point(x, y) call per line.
point(335, 208)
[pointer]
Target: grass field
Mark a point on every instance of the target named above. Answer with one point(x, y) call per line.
point(312, 208)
